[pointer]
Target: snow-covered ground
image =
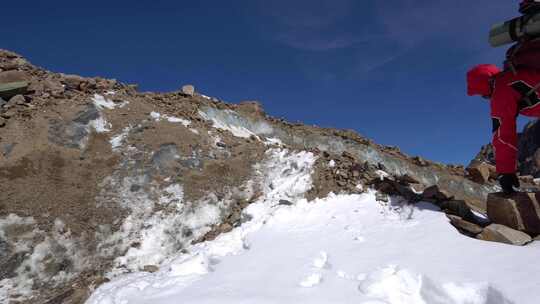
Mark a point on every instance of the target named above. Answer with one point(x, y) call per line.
point(340, 249)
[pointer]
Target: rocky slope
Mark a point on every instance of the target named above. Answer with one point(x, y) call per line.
point(91, 170)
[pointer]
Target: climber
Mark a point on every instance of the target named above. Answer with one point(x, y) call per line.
point(512, 92)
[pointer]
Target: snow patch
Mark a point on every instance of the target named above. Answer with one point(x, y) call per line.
point(157, 117)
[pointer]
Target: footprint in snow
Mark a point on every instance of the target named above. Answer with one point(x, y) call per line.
point(311, 280)
point(321, 261)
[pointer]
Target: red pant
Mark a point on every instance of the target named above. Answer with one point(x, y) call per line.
point(507, 103)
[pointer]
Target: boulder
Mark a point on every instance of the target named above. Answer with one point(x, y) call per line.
point(188, 90)
point(13, 76)
point(435, 195)
point(520, 211)
point(51, 85)
point(18, 100)
point(480, 172)
point(459, 208)
point(10, 89)
point(72, 82)
point(504, 234)
point(464, 226)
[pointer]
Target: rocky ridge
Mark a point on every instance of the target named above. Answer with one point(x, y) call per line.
point(89, 166)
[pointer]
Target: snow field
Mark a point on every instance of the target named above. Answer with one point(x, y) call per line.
point(307, 253)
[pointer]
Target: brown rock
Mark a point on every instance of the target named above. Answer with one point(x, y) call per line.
point(13, 76)
point(434, 194)
point(417, 160)
point(527, 179)
point(36, 87)
point(406, 179)
point(2, 122)
point(520, 211)
point(18, 100)
point(479, 172)
point(504, 234)
point(150, 268)
point(72, 82)
point(52, 85)
point(12, 64)
point(463, 225)
point(252, 107)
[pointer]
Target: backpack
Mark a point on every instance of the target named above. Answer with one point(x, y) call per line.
point(527, 7)
point(524, 55)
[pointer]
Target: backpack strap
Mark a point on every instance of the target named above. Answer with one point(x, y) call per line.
point(526, 99)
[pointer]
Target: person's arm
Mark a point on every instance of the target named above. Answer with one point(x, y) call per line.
point(503, 114)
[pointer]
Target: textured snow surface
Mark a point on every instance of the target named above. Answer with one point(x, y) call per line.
point(340, 249)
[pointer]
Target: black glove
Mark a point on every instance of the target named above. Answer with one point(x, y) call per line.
point(508, 181)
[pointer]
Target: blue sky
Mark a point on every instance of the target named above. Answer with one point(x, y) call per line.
point(392, 70)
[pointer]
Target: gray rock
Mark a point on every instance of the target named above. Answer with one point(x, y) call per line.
point(518, 211)
point(166, 158)
point(458, 208)
point(7, 149)
point(2, 122)
point(503, 234)
point(2, 102)
point(72, 134)
point(285, 202)
point(188, 90)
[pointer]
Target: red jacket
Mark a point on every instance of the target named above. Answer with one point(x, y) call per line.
point(506, 104)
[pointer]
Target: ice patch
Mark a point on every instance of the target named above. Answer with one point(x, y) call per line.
point(231, 121)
